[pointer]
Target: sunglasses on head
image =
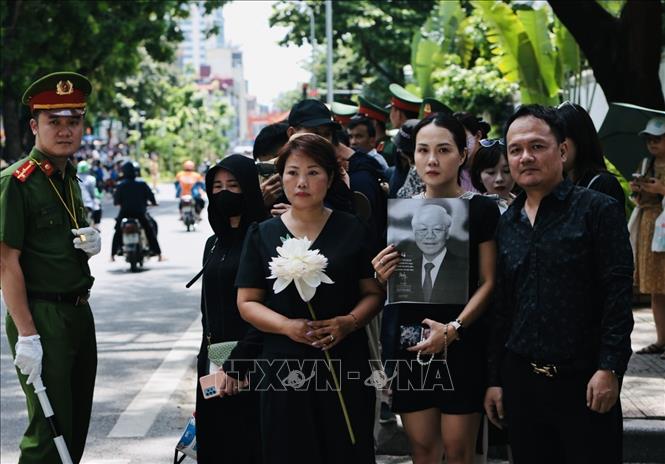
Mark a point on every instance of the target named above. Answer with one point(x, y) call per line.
point(566, 103)
point(487, 143)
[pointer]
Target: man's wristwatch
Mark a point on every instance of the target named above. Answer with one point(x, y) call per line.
point(459, 328)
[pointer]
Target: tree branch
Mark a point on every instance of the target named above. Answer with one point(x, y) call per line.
point(384, 72)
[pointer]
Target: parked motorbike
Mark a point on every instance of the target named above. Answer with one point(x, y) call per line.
point(134, 243)
point(188, 211)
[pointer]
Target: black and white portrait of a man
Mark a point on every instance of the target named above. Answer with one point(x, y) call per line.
point(432, 236)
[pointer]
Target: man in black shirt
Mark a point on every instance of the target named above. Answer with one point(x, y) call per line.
point(561, 336)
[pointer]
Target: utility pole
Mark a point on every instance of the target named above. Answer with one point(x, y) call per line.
point(312, 41)
point(329, 57)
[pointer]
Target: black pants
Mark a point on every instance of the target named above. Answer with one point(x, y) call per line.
point(549, 422)
point(150, 233)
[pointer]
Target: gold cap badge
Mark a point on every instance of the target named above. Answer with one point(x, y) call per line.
point(428, 108)
point(64, 87)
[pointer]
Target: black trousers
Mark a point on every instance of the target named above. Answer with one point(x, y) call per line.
point(150, 233)
point(549, 422)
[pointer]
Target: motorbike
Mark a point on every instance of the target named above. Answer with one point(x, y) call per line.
point(188, 211)
point(134, 243)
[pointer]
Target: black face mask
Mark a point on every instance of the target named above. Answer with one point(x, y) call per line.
point(227, 203)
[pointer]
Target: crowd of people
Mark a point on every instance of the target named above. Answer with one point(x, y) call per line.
point(550, 285)
point(538, 343)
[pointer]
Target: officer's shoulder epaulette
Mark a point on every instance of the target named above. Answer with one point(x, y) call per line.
point(25, 170)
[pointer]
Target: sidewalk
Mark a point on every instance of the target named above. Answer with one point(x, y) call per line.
point(642, 400)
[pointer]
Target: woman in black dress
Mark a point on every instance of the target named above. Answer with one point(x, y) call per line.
point(302, 421)
point(584, 164)
point(439, 421)
point(227, 428)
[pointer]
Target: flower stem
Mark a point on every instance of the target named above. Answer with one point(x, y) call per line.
point(337, 386)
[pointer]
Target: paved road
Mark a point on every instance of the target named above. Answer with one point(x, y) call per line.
point(148, 331)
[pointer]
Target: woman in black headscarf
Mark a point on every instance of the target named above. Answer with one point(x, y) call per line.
point(227, 428)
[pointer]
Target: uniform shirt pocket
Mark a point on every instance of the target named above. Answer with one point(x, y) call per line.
point(48, 216)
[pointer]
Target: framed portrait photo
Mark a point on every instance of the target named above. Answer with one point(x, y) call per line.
point(432, 236)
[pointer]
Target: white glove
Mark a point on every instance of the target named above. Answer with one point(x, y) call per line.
point(29, 357)
point(92, 243)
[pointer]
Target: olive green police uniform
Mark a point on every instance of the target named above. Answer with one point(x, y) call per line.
point(57, 279)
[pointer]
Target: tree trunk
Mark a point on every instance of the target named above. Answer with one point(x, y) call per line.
point(623, 52)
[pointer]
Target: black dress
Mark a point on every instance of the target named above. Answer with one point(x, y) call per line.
point(226, 427)
point(304, 423)
point(466, 356)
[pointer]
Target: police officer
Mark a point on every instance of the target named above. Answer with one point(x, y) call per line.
point(379, 117)
point(431, 106)
point(45, 244)
point(403, 105)
point(342, 113)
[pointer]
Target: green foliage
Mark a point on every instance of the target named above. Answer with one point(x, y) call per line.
point(286, 100)
point(374, 34)
point(625, 186)
point(480, 89)
point(440, 35)
point(569, 57)
point(190, 125)
point(100, 39)
point(522, 51)
point(613, 7)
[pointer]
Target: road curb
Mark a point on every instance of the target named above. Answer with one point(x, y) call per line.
point(643, 441)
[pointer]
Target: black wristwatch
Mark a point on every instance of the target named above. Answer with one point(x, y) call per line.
point(459, 328)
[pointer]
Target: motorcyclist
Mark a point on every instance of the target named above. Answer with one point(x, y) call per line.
point(133, 196)
point(190, 182)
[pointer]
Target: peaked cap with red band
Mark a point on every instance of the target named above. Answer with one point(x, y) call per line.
point(342, 112)
point(431, 106)
point(403, 99)
point(371, 110)
point(60, 93)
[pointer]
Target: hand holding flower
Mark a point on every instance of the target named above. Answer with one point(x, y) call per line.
point(305, 268)
point(330, 332)
point(298, 330)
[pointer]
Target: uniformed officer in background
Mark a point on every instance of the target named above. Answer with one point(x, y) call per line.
point(379, 116)
point(403, 105)
point(45, 243)
point(431, 106)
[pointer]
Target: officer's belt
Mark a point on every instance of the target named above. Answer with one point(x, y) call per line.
point(76, 298)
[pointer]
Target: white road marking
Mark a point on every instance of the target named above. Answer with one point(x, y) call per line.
point(108, 461)
point(141, 413)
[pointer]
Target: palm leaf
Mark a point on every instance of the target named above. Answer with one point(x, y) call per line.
point(514, 50)
point(568, 52)
point(422, 61)
point(536, 25)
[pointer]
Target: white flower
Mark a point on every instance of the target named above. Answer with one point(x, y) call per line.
point(297, 263)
